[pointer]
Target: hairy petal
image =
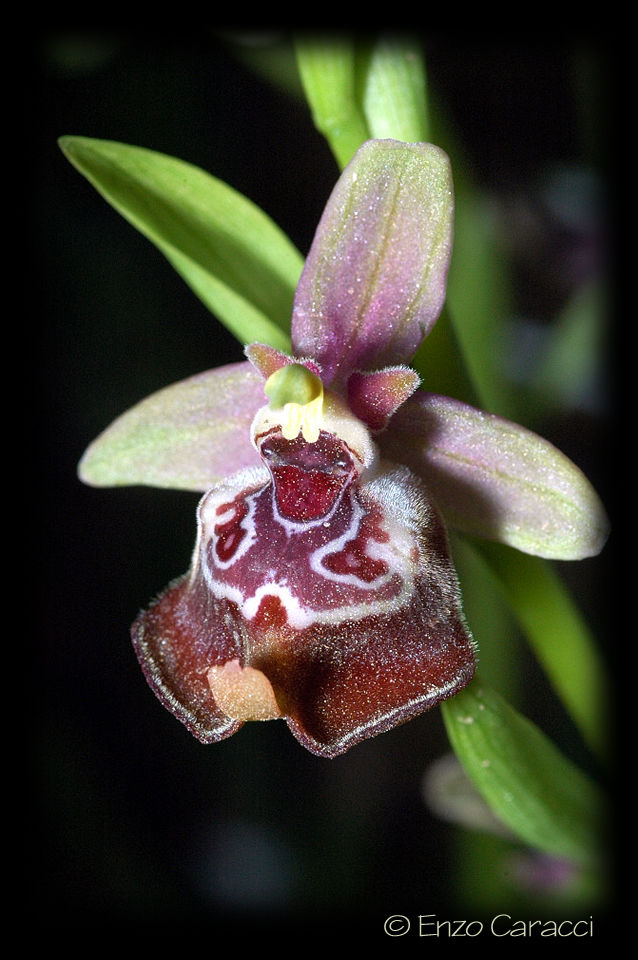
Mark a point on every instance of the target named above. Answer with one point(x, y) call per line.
point(185, 436)
point(374, 397)
point(497, 480)
point(374, 281)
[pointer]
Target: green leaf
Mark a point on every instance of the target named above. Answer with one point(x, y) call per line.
point(477, 295)
point(559, 636)
point(394, 91)
point(479, 282)
point(238, 262)
point(327, 70)
point(536, 791)
point(500, 643)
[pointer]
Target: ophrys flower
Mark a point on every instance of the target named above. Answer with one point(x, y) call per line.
point(321, 588)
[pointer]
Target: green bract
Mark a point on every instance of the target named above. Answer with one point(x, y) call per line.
point(231, 254)
point(535, 791)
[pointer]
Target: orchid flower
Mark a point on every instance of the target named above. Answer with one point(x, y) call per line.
point(321, 588)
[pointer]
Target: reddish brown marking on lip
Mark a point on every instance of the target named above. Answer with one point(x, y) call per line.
point(353, 558)
point(271, 613)
point(230, 534)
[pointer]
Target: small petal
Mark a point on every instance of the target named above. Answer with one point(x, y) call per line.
point(185, 436)
point(494, 479)
point(374, 397)
point(374, 281)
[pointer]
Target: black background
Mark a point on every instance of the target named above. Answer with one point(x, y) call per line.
point(132, 823)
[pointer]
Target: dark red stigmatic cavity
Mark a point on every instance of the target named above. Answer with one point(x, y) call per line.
point(308, 477)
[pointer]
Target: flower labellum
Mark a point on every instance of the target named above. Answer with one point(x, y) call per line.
point(321, 589)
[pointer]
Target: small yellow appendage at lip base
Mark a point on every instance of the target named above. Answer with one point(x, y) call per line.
point(299, 393)
point(243, 693)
